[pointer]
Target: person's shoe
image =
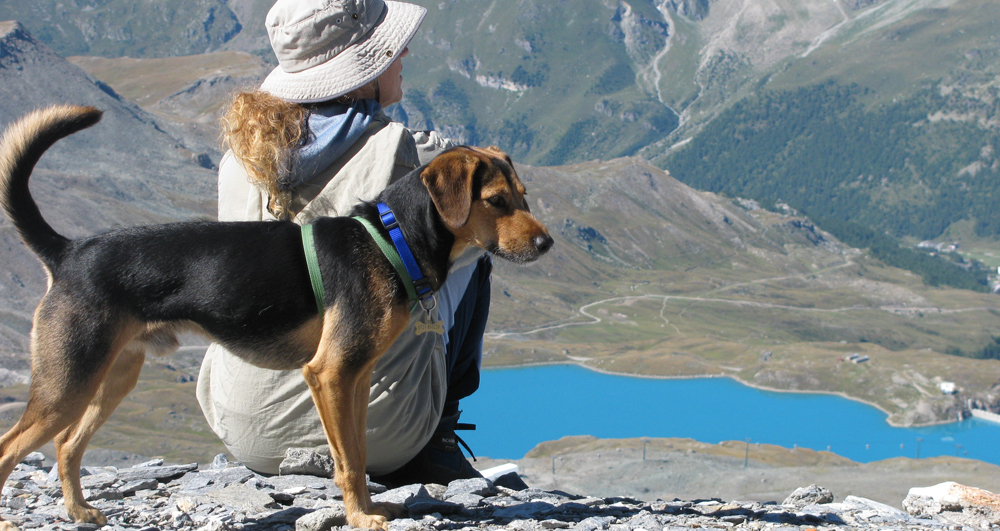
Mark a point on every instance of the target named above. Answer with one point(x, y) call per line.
point(441, 461)
point(445, 461)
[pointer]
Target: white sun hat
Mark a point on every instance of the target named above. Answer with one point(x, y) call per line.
point(327, 48)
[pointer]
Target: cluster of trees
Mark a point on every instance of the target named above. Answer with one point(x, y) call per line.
point(868, 175)
point(989, 352)
point(936, 271)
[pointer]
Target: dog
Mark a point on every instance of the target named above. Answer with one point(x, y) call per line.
point(115, 296)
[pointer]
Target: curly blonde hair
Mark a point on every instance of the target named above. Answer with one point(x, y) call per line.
point(263, 132)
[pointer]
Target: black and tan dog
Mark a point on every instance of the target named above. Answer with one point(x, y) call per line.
point(115, 296)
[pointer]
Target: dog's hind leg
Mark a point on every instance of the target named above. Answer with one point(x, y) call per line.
point(71, 355)
point(71, 442)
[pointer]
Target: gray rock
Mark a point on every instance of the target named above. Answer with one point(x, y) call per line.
point(34, 459)
point(161, 473)
point(375, 488)
point(214, 524)
point(430, 505)
point(231, 475)
point(478, 486)
point(532, 494)
point(436, 490)
point(322, 519)
point(874, 512)
point(150, 463)
point(194, 482)
point(295, 480)
point(96, 470)
point(402, 495)
point(102, 494)
point(99, 481)
point(306, 461)
point(955, 503)
point(595, 523)
point(244, 498)
point(813, 494)
point(510, 481)
point(466, 500)
point(130, 488)
point(525, 510)
point(220, 461)
point(409, 524)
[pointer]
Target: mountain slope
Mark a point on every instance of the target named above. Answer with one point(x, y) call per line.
point(564, 82)
point(123, 171)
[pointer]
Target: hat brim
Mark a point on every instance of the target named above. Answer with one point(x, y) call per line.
point(357, 65)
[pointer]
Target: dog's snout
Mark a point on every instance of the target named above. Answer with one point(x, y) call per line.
point(542, 242)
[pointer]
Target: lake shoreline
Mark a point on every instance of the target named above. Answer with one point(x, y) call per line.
point(554, 400)
point(734, 378)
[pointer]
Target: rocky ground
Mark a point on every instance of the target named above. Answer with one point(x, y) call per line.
point(671, 468)
point(228, 496)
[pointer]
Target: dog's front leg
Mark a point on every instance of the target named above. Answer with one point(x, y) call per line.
point(339, 377)
point(333, 389)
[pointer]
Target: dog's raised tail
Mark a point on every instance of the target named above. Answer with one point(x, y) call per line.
point(20, 148)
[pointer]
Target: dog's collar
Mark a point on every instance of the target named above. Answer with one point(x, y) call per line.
point(417, 286)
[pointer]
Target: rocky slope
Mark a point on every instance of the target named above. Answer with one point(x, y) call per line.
point(228, 496)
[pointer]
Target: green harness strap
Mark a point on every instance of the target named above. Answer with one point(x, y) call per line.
point(316, 279)
point(312, 262)
point(389, 250)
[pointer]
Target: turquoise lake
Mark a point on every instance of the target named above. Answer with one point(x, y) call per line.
point(515, 409)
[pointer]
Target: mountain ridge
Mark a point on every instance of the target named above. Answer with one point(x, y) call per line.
point(94, 180)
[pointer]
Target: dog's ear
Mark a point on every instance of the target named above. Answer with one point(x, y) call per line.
point(449, 180)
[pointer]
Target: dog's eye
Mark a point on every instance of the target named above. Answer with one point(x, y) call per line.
point(497, 201)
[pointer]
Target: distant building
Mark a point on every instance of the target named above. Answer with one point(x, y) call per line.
point(948, 388)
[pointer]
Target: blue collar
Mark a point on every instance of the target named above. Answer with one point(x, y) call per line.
point(420, 283)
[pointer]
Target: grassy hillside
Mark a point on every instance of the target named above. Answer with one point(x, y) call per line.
point(907, 168)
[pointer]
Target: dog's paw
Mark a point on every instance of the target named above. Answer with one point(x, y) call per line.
point(389, 510)
point(369, 521)
point(85, 515)
point(7, 526)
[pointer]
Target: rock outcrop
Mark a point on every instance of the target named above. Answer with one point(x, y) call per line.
point(955, 504)
point(228, 496)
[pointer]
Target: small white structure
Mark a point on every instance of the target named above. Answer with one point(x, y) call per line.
point(948, 388)
point(985, 415)
point(502, 470)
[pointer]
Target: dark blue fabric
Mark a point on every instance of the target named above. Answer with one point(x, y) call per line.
point(465, 341)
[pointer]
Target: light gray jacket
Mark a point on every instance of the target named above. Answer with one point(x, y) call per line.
point(259, 413)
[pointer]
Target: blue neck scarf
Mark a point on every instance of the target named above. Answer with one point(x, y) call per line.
point(333, 129)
